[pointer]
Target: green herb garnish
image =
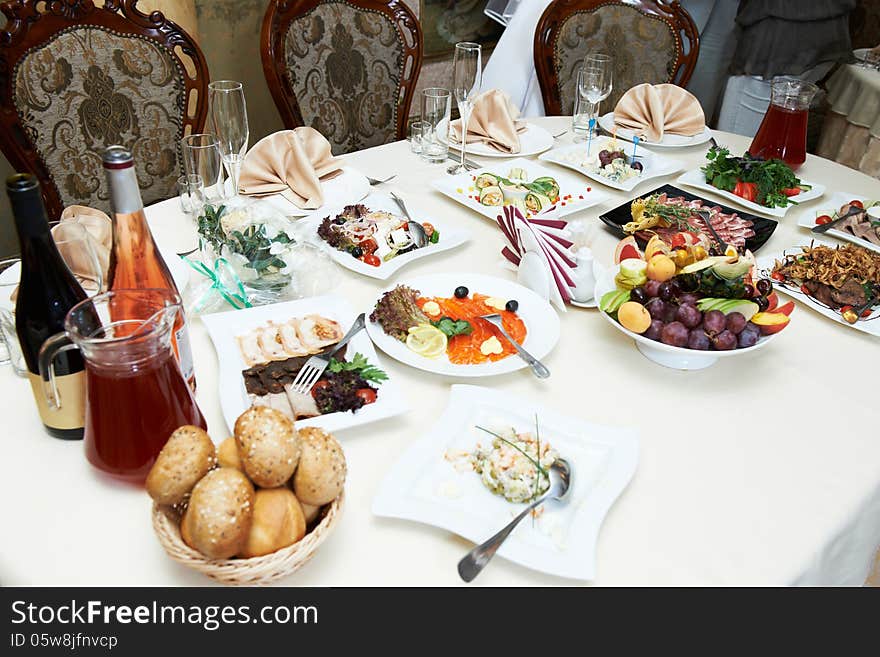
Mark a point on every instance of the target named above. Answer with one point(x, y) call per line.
point(771, 177)
point(435, 237)
point(361, 366)
point(452, 327)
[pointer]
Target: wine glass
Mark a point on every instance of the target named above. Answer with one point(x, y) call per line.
point(230, 124)
point(201, 157)
point(596, 83)
point(467, 77)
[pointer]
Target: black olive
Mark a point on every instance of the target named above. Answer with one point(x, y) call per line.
point(357, 251)
point(764, 286)
point(763, 303)
point(512, 306)
point(461, 292)
point(339, 221)
point(637, 166)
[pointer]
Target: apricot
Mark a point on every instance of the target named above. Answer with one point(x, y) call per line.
point(660, 268)
point(634, 317)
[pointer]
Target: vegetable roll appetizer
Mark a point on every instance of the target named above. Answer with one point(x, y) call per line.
point(491, 195)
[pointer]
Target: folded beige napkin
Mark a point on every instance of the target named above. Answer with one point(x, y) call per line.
point(100, 229)
point(292, 163)
point(494, 121)
point(651, 110)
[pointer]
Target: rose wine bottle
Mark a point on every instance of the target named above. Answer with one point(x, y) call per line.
point(135, 261)
point(46, 291)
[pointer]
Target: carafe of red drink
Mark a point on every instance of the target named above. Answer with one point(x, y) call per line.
point(783, 132)
point(136, 395)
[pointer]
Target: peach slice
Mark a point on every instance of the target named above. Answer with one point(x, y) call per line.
point(770, 323)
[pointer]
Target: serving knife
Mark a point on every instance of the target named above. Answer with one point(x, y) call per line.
point(822, 228)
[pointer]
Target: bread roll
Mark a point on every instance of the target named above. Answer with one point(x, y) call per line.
point(321, 473)
point(267, 445)
point(310, 511)
point(227, 454)
point(278, 522)
point(219, 515)
point(185, 458)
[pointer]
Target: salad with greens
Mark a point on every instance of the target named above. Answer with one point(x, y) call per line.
point(770, 183)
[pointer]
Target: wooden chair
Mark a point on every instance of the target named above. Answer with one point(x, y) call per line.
point(347, 68)
point(650, 40)
point(76, 78)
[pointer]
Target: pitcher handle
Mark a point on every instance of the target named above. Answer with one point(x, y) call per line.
point(56, 344)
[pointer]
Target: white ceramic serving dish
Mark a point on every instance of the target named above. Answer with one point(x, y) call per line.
point(807, 219)
point(542, 324)
point(224, 327)
point(678, 358)
point(461, 188)
point(533, 140)
point(697, 179)
point(575, 157)
point(450, 237)
point(423, 486)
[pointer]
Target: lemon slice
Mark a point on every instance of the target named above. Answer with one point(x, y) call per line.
point(427, 341)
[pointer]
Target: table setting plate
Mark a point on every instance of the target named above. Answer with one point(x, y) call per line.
point(617, 217)
point(542, 324)
point(350, 186)
point(450, 237)
point(697, 179)
point(533, 140)
point(574, 156)
point(423, 486)
point(224, 327)
point(807, 218)
point(606, 122)
point(461, 188)
point(869, 325)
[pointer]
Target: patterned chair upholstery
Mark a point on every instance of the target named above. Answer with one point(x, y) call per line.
point(89, 86)
point(344, 67)
point(644, 37)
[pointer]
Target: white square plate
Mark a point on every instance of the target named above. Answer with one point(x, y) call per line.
point(423, 486)
point(450, 237)
point(606, 122)
point(696, 178)
point(807, 218)
point(575, 157)
point(224, 327)
point(461, 188)
point(869, 325)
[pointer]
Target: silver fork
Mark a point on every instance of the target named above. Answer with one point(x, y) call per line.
point(373, 181)
point(538, 368)
point(416, 230)
point(308, 376)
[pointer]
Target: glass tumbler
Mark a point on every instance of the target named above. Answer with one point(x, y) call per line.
point(416, 129)
point(436, 113)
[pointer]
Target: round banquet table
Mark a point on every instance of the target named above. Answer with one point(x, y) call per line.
point(760, 470)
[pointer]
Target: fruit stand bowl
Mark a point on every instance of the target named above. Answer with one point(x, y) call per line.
point(679, 358)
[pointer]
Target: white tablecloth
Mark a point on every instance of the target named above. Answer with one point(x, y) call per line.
point(763, 469)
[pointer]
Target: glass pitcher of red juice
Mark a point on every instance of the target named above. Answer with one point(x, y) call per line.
point(136, 395)
point(783, 132)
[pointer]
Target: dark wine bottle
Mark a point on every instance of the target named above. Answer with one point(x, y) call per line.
point(46, 291)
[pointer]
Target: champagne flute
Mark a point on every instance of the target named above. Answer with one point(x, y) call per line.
point(191, 195)
point(230, 124)
point(597, 82)
point(201, 157)
point(467, 77)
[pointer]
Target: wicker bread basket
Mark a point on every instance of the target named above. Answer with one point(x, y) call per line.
point(244, 572)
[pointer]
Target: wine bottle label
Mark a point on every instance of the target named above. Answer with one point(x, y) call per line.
point(184, 352)
point(71, 414)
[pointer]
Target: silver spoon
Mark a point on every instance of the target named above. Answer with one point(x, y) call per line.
point(416, 230)
point(538, 368)
point(475, 560)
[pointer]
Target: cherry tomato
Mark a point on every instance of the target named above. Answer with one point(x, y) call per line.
point(371, 260)
point(318, 386)
point(368, 395)
point(823, 219)
point(791, 191)
point(777, 276)
point(858, 204)
point(806, 290)
point(369, 246)
point(429, 228)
